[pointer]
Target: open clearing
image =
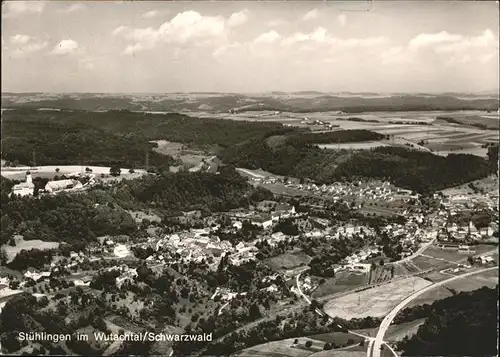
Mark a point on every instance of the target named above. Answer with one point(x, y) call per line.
point(375, 302)
point(287, 348)
point(354, 146)
point(454, 255)
point(395, 332)
point(283, 348)
point(343, 281)
point(22, 244)
point(424, 263)
point(474, 282)
point(288, 261)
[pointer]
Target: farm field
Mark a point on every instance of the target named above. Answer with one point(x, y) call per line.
point(22, 244)
point(283, 348)
point(181, 151)
point(287, 348)
point(424, 263)
point(354, 146)
point(343, 281)
point(374, 302)
point(489, 279)
point(288, 261)
point(454, 255)
point(395, 332)
point(279, 189)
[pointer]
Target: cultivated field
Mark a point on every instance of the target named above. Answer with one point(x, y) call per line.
point(424, 263)
point(342, 281)
point(287, 348)
point(283, 348)
point(374, 302)
point(22, 244)
point(354, 146)
point(454, 255)
point(181, 151)
point(288, 261)
point(395, 332)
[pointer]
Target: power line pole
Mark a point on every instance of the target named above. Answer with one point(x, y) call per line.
point(34, 158)
point(146, 163)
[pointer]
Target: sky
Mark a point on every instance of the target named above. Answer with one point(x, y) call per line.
point(244, 47)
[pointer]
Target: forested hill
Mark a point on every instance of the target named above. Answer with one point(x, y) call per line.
point(115, 137)
point(81, 218)
point(416, 170)
point(461, 325)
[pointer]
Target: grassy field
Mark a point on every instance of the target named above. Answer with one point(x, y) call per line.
point(280, 189)
point(287, 348)
point(22, 244)
point(283, 348)
point(425, 263)
point(455, 256)
point(288, 261)
point(341, 282)
point(354, 146)
point(374, 302)
point(339, 338)
point(395, 332)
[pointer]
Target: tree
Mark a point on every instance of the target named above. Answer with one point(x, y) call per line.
point(131, 171)
point(3, 256)
point(327, 346)
point(57, 169)
point(115, 171)
point(296, 341)
point(382, 262)
point(470, 260)
point(308, 344)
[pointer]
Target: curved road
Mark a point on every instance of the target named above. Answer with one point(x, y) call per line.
point(375, 351)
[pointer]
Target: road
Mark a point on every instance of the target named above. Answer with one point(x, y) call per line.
point(388, 319)
point(299, 289)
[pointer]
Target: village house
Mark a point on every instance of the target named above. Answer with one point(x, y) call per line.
point(24, 188)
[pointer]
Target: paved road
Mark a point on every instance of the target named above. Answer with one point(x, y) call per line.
point(388, 319)
point(299, 289)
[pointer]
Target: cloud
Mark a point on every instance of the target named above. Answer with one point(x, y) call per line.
point(238, 18)
point(445, 48)
point(185, 27)
point(73, 8)
point(65, 47)
point(268, 37)
point(311, 15)
point(276, 23)
point(16, 8)
point(342, 19)
point(29, 48)
point(150, 14)
point(321, 36)
point(20, 39)
point(425, 40)
point(119, 30)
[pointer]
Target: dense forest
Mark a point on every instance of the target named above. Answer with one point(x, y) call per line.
point(461, 325)
point(416, 170)
point(115, 137)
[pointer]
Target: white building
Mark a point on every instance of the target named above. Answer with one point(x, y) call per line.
point(54, 186)
point(24, 188)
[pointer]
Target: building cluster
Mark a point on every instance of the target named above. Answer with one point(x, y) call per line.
point(72, 182)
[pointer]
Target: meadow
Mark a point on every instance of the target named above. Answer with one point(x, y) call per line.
point(374, 302)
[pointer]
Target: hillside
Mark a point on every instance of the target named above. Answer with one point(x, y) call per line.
point(461, 325)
